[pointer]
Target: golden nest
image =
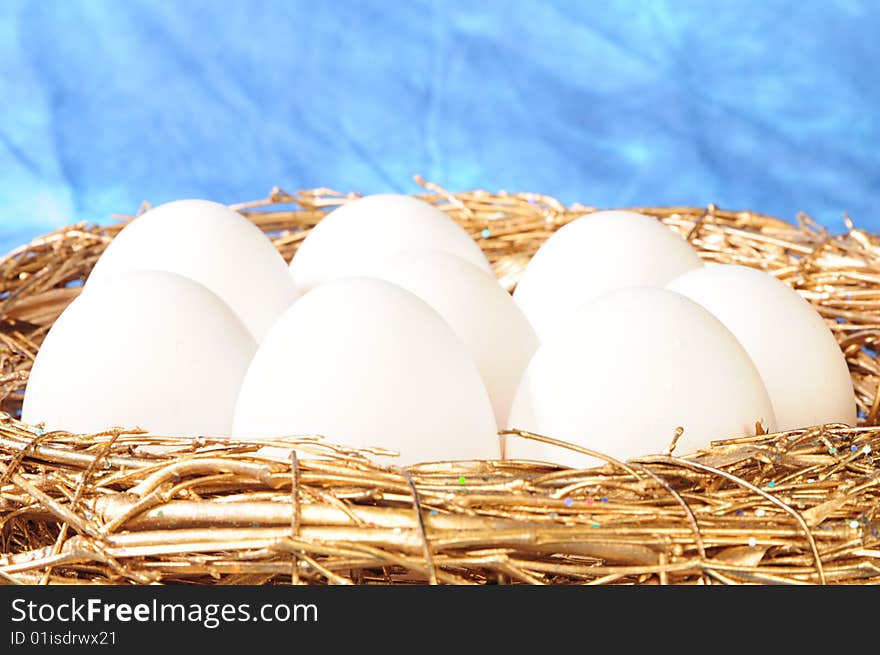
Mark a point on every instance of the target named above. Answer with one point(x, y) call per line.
point(796, 507)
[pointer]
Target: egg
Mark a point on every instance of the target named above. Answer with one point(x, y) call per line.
point(351, 237)
point(366, 363)
point(493, 329)
point(147, 349)
point(596, 253)
point(798, 357)
point(627, 369)
point(211, 244)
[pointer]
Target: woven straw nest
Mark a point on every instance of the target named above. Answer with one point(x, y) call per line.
point(794, 507)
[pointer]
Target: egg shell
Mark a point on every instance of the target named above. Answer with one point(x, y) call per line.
point(366, 363)
point(626, 370)
point(484, 316)
point(798, 357)
point(211, 244)
point(148, 349)
point(350, 238)
point(594, 254)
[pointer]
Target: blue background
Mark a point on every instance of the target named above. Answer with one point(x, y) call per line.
point(764, 105)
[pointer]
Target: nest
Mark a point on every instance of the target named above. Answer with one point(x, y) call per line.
point(790, 508)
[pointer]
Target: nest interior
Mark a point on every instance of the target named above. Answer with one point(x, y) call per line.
point(798, 507)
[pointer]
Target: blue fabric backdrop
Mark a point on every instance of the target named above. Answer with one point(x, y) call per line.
point(767, 105)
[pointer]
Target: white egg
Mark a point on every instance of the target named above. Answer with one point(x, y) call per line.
point(351, 237)
point(482, 314)
point(366, 363)
point(149, 349)
point(798, 357)
point(626, 370)
point(594, 254)
point(211, 244)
